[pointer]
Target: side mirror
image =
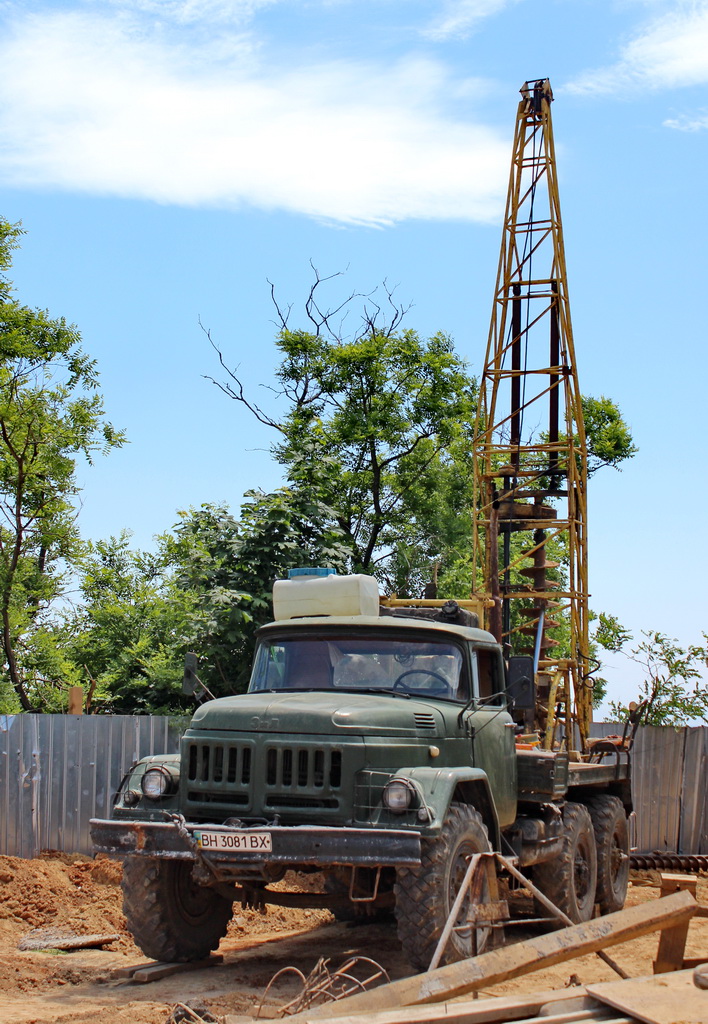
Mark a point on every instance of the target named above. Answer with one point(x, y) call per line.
point(520, 682)
point(190, 679)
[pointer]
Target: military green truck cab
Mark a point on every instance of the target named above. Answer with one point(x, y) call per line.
point(378, 749)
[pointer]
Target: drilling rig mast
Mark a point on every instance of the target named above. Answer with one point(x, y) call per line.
point(530, 450)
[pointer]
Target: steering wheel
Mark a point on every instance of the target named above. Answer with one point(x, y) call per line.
point(443, 687)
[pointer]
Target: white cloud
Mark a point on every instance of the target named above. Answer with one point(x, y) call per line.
point(695, 123)
point(460, 17)
point(669, 51)
point(88, 103)
point(187, 12)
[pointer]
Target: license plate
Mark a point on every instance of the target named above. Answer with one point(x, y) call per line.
point(250, 842)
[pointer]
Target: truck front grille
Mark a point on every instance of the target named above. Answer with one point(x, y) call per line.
point(260, 775)
point(304, 767)
point(210, 762)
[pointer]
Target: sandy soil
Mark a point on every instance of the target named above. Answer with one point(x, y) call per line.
point(79, 987)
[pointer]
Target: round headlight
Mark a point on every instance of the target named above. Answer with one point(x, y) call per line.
point(398, 795)
point(156, 783)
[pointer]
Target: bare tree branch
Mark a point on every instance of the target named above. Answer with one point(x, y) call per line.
point(236, 391)
point(282, 323)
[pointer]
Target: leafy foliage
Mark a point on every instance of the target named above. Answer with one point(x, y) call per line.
point(391, 414)
point(126, 639)
point(228, 568)
point(609, 439)
point(51, 413)
point(206, 589)
point(385, 409)
point(610, 633)
point(376, 441)
point(675, 688)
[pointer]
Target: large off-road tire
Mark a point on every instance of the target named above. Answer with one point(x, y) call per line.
point(570, 879)
point(612, 838)
point(169, 917)
point(425, 893)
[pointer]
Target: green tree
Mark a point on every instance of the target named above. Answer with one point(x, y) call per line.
point(228, 567)
point(675, 688)
point(609, 439)
point(392, 414)
point(127, 636)
point(205, 589)
point(51, 414)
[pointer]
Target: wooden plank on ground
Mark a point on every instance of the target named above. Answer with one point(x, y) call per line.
point(46, 939)
point(662, 999)
point(128, 972)
point(154, 970)
point(518, 959)
point(674, 883)
point(477, 1011)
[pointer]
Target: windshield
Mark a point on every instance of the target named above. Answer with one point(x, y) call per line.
point(402, 665)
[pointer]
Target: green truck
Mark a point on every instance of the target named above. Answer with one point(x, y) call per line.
point(377, 747)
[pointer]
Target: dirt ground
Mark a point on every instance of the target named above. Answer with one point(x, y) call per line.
point(79, 987)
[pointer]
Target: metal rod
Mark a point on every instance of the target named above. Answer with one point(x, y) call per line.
point(506, 604)
point(453, 915)
point(539, 638)
point(553, 381)
point(516, 367)
point(544, 901)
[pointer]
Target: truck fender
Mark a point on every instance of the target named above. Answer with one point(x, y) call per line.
point(442, 786)
point(131, 781)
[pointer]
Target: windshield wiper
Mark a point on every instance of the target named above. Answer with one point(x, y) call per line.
point(373, 689)
point(288, 689)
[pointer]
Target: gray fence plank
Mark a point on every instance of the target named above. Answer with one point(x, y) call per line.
point(58, 771)
point(694, 796)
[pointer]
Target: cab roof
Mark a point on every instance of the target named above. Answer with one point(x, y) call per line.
point(383, 622)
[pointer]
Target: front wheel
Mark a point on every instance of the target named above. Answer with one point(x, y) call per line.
point(570, 880)
point(170, 917)
point(425, 893)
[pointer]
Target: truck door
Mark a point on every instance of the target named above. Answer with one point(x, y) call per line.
point(491, 731)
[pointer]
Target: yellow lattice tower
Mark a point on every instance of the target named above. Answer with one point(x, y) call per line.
point(530, 451)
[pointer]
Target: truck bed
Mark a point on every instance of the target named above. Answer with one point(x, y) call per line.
point(548, 775)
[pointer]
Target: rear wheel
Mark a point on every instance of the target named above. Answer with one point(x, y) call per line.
point(169, 916)
point(570, 879)
point(425, 894)
point(612, 838)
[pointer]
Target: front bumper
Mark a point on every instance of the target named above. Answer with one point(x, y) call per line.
point(293, 845)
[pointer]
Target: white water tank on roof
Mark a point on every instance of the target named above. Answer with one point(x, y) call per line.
point(317, 594)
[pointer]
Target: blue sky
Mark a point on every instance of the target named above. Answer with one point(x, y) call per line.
point(168, 157)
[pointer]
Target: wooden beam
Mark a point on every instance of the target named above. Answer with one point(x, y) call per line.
point(667, 1000)
point(154, 970)
point(674, 883)
point(76, 700)
point(477, 1011)
point(672, 946)
point(518, 959)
